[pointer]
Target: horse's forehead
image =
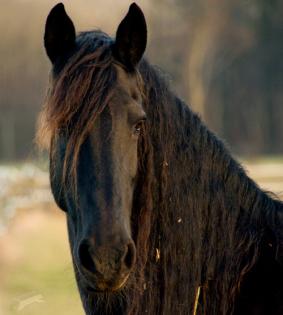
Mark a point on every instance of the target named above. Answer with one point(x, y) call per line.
point(127, 81)
point(127, 95)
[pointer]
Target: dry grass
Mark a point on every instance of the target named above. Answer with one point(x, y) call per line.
point(268, 173)
point(36, 272)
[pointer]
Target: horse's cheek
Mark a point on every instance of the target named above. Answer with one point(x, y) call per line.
point(72, 228)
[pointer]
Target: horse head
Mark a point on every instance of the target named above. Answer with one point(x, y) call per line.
point(95, 106)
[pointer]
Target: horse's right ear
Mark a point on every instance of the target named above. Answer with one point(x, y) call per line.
point(60, 34)
point(131, 38)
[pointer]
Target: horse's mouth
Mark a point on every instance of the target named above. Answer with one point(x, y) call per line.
point(96, 287)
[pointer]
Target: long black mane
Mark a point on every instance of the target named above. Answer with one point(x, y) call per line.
point(209, 223)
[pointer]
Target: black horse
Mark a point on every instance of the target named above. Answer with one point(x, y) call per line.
point(161, 218)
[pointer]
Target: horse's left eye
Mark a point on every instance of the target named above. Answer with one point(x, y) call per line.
point(138, 127)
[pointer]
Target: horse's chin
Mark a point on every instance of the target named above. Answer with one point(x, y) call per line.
point(104, 287)
point(121, 284)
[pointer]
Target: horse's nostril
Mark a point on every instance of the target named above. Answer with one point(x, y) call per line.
point(130, 256)
point(85, 257)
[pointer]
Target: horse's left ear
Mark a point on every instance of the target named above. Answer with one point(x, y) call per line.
point(60, 34)
point(131, 38)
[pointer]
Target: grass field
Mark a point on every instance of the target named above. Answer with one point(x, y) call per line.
point(35, 267)
point(36, 275)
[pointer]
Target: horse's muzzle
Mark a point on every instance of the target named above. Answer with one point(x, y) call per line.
point(106, 267)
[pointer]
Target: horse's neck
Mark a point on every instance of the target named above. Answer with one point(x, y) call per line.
point(213, 165)
point(212, 216)
point(206, 160)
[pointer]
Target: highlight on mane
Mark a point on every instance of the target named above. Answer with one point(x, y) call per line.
point(78, 94)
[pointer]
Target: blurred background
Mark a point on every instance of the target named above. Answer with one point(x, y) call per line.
point(225, 58)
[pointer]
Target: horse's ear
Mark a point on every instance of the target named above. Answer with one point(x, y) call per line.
point(131, 38)
point(60, 34)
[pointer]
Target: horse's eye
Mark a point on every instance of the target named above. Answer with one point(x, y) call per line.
point(138, 127)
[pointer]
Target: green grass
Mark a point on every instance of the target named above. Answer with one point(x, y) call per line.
point(263, 159)
point(41, 267)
